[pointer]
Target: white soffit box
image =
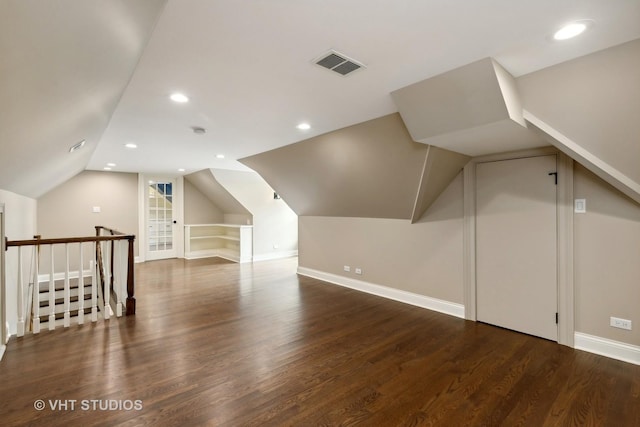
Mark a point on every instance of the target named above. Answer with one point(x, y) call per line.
point(474, 110)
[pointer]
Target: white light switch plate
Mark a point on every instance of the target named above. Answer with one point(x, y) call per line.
point(580, 206)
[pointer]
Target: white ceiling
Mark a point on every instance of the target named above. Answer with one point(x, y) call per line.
point(247, 67)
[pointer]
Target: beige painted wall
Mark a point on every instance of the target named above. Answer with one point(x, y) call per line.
point(440, 167)
point(198, 209)
point(66, 211)
point(424, 258)
point(593, 100)
point(371, 169)
point(20, 223)
point(607, 259)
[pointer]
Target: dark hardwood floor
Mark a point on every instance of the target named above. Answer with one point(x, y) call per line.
point(217, 343)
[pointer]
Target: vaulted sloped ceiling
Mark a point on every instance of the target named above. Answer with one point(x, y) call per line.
point(589, 108)
point(64, 67)
point(585, 107)
point(373, 169)
point(208, 185)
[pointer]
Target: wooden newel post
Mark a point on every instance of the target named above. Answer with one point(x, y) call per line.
point(38, 237)
point(131, 300)
point(99, 263)
point(98, 258)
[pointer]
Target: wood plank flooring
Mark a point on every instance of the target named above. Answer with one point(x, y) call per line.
point(222, 344)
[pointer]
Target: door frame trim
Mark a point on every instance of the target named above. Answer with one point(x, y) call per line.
point(564, 221)
point(142, 214)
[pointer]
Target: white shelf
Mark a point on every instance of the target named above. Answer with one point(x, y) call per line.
point(230, 241)
point(218, 236)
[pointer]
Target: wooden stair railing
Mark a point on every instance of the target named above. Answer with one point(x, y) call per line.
point(56, 299)
point(131, 301)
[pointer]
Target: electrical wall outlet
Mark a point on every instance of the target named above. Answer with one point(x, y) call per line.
point(347, 268)
point(358, 270)
point(620, 323)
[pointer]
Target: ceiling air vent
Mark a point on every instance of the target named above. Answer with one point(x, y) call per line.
point(338, 62)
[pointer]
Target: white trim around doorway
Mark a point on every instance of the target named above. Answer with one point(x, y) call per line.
point(142, 212)
point(566, 326)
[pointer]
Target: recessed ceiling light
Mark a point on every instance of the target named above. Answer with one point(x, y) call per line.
point(571, 30)
point(181, 170)
point(107, 168)
point(77, 146)
point(111, 165)
point(219, 156)
point(131, 145)
point(179, 97)
point(304, 126)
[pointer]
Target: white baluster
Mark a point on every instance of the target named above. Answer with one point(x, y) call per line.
point(20, 326)
point(36, 292)
point(81, 289)
point(67, 288)
point(107, 282)
point(52, 294)
point(94, 288)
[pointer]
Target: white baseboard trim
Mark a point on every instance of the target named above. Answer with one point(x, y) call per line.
point(441, 306)
point(275, 255)
point(138, 260)
point(608, 348)
point(2, 349)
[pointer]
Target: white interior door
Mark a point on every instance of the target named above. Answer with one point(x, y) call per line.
point(160, 202)
point(516, 245)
